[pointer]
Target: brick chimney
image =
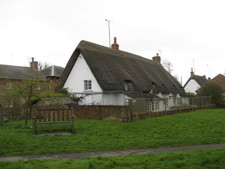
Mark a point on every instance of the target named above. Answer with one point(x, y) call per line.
point(192, 73)
point(34, 64)
point(115, 45)
point(157, 58)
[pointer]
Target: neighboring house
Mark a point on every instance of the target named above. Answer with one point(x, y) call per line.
point(10, 74)
point(108, 76)
point(52, 75)
point(194, 83)
point(52, 72)
point(220, 80)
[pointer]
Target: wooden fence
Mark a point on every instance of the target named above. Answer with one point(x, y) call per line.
point(146, 106)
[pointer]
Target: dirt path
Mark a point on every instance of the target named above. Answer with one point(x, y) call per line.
point(112, 153)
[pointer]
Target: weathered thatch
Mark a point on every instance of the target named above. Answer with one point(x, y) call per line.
point(112, 68)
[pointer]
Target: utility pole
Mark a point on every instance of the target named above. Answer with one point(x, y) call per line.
point(107, 20)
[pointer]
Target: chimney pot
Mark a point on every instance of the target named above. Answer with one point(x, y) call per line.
point(157, 58)
point(115, 45)
point(33, 64)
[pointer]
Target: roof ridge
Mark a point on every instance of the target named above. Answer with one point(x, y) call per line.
point(82, 43)
point(15, 66)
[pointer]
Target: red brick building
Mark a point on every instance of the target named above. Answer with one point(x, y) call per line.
point(9, 74)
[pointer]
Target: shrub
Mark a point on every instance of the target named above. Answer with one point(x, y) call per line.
point(214, 90)
point(188, 94)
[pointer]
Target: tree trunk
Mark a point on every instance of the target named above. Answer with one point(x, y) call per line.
point(1, 116)
point(25, 117)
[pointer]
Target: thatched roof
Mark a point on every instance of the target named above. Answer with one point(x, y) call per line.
point(112, 67)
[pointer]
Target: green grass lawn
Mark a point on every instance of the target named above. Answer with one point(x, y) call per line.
point(198, 127)
point(190, 159)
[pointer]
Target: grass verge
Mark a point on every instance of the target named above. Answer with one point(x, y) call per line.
point(190, 159)
point(194, 128)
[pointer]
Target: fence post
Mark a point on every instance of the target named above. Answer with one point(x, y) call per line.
point(202, 102)
point(180, 105)
point(34, 125)
point(192, 104)
point(1, 116)
point(73, 125)
point(130, 106)
point(165, 106)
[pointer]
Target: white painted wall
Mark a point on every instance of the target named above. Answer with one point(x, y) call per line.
point(102, 99)
point(79, 73)
point(113, 99)
point(192, 86)
point(75, 84)
point(171, 102)
point(167, 95)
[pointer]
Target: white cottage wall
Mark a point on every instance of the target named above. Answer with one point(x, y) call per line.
point(75, 84)
point(113, 99)
point(79, 73)
point(192, 86)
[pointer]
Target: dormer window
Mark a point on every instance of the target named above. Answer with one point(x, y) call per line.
point(164, 87)
point(87, 85)
point(153, 88)
point(128, 85)
point(153, 85)
point(174, 87)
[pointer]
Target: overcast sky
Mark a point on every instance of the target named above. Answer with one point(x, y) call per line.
point(188, 33)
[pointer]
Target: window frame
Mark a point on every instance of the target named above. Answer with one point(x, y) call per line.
point(9, 85)
point(87, 85)
point(128, 85)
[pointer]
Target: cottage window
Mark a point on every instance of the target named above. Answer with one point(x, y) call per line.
point(38, 87)
point(223, 95)
point(174, 100)
point(155, 105)
point(128, 85)
point(87, 85)
point(10, 103)
point(9, 85)
point(153, 88)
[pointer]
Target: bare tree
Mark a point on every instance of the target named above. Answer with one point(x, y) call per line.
point(168, 66)
point(42, 66)
point(27, 91)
